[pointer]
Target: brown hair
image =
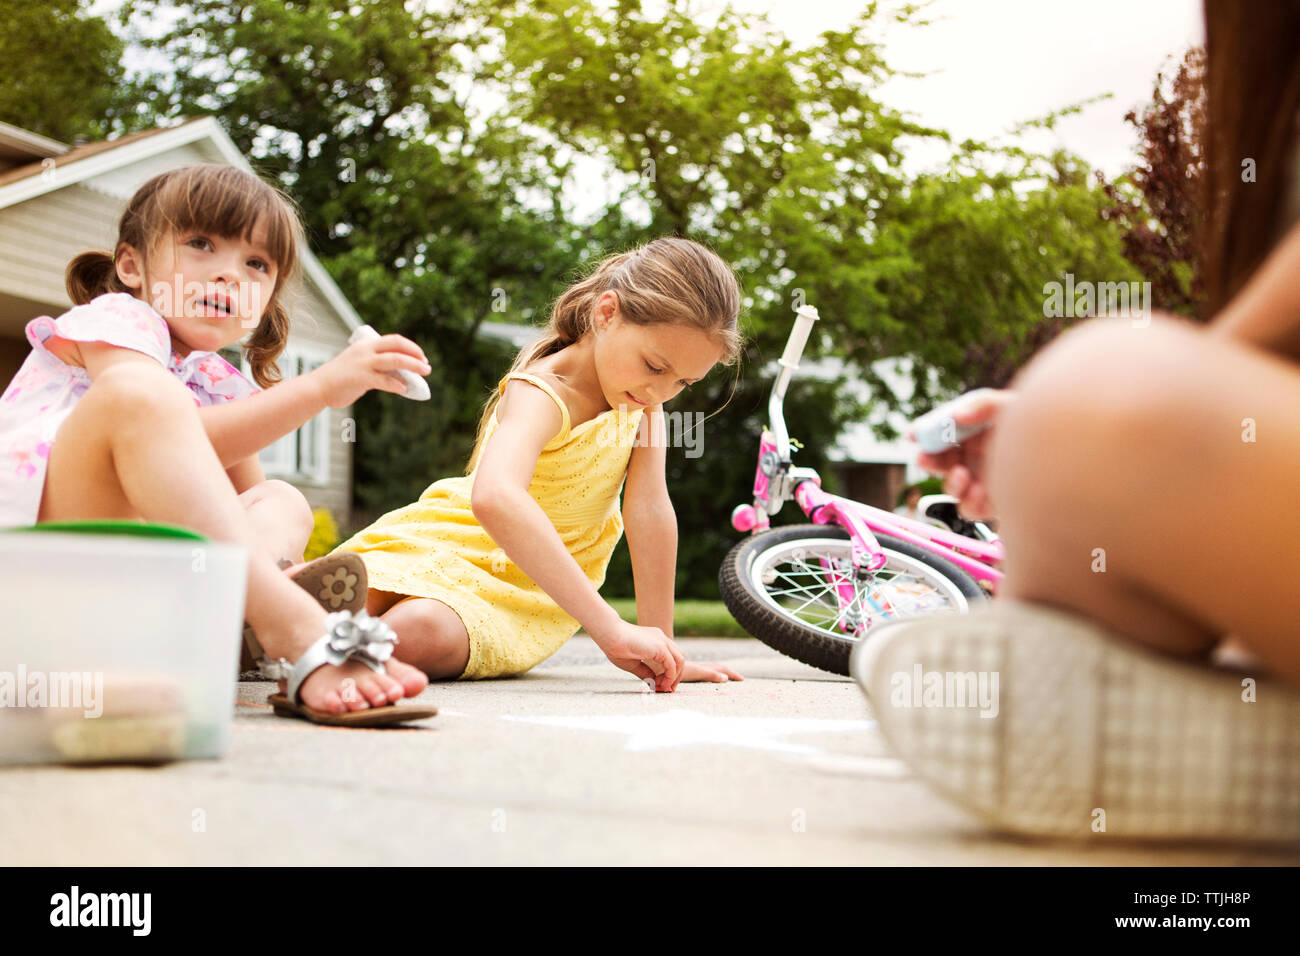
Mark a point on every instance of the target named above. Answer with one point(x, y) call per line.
point(667, 280)
point(1252, 72)
point(221, 200)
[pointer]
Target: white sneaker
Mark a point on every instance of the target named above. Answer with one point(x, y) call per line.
point(1042, 723)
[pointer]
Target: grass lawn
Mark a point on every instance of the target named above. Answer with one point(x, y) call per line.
point(690, 618)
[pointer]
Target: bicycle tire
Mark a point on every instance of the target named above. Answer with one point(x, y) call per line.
point(790, 636)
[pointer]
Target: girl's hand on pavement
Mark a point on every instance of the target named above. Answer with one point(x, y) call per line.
point(715, 673)
point(647, 652)
point(963, 467)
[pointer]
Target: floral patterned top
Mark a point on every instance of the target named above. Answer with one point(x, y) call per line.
point(46, 389)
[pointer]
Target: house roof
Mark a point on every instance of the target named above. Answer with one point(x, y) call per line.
point(73, 154)
point(18, 145)
point(81, 163)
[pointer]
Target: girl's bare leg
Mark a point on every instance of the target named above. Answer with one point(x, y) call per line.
point(134, 447)
point(1170, 460)
point(434, 638)
point(280, 520)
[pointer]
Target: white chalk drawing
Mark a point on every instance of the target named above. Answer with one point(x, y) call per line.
point(685, 728)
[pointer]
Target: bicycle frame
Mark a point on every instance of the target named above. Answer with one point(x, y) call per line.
point(777, 480)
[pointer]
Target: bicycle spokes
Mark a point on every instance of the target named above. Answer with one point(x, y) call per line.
point(820, 587)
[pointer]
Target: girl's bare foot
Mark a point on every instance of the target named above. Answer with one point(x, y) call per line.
point(352, 686)
point(292, 621)
point(412, 679)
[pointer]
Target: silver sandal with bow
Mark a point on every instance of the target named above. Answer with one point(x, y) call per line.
point(348, 636)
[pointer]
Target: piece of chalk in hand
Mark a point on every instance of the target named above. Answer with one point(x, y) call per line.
point(937, 431)
point(417, 389)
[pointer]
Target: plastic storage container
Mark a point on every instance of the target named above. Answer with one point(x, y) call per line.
point(118, 643)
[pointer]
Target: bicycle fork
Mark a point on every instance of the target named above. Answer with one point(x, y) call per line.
point(775, 482)
point(866, 555)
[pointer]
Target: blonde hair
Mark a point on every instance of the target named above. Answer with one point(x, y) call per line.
point(667, 280)
point(221, 200)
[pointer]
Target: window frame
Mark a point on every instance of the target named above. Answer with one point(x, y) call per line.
point(284, 458)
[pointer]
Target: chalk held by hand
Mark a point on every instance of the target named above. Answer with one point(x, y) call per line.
point(938, 430)
point(417, 389)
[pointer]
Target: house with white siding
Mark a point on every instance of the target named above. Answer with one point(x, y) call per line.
point(58, 200)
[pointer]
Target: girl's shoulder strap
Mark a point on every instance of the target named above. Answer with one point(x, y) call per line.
point(546, 387)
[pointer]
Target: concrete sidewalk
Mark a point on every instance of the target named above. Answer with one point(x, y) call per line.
point(572, 763)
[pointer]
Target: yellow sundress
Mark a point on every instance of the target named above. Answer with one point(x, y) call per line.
point(436, 548)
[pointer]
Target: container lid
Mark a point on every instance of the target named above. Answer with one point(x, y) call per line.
point(137, 529)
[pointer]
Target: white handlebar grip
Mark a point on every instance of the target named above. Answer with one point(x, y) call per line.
point(799, 336)
point(417, 389)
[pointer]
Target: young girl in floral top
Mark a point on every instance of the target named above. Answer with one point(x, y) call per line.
point(124, 410)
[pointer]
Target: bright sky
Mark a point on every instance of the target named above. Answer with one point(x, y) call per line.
point(996, 63)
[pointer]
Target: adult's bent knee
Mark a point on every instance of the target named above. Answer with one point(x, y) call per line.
point(1111, 362)
point(1102, 398)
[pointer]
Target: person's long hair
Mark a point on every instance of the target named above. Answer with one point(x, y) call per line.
point(1252, 75)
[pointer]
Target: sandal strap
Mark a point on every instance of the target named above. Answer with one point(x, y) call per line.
point(347, 636)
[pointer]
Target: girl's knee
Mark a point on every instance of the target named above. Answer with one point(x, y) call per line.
point(434, 615)
point(129, 397)
point(288, 503)
point(431, 637)
point(137, 388)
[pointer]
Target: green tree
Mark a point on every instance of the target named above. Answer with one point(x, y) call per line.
point(725, 132)
point(418, 212)
point(981, 246)
point(63, 71)
point(785, 160)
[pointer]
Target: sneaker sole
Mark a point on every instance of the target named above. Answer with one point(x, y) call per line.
point(1091, 735)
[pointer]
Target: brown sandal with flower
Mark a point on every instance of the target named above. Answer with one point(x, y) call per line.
point(338, 583)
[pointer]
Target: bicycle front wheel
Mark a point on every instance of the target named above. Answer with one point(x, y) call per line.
point(795, 590)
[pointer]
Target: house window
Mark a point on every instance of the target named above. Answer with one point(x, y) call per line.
point(303, 455)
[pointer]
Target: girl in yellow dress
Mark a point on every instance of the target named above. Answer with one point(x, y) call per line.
point(488, 574)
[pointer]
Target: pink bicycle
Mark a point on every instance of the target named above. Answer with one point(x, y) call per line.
point(813, 591)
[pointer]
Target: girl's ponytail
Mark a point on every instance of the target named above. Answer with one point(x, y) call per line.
point(266, 343)
point(570, 321)
point(571, 314)
point(668, 280)
point(90, 275)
